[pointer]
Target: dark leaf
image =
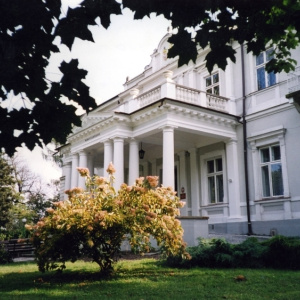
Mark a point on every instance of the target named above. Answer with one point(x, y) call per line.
point(185, 48)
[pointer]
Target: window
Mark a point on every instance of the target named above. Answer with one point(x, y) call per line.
point(269, 163)
point(212, 84)
point(271, 171)
point(215, 180)
point(264, 79)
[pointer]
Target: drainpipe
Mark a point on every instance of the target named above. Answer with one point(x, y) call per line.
point(245, 144)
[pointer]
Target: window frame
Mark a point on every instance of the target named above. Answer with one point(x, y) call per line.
point(269, 186)
point(213, 84)
point(263, 139)
point(204, 177)
point(261, 66)
point(214, 197)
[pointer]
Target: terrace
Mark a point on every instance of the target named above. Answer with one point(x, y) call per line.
point(169, 89)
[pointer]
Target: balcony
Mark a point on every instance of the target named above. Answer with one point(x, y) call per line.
point(181, 93)
point(293, 85)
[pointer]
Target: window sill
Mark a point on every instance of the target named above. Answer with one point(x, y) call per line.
point(215, 204)
point(272, 199)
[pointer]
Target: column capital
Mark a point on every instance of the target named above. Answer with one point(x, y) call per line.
point(168, 127)
point(82, 152)
point(231, 141)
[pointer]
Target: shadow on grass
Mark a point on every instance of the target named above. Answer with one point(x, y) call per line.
point(133, 282)
point(146, 279)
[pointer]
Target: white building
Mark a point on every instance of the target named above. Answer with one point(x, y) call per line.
point(190, 125)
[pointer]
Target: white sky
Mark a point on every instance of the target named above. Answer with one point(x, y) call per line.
point(122, 50)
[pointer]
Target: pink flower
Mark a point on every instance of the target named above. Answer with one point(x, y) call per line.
point(83, 172)
point(139, 181)
point(50, 210)
point(100, 180)
point(153, 181)
point(111, 169)
point(75, 190)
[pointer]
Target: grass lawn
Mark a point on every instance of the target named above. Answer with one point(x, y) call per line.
point(145, 279)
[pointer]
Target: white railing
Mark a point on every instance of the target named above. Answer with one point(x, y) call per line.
point(293, 82)
point(187, 94)
point(149, 97)
point(216, 102)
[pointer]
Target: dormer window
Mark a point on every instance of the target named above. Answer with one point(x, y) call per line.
point(264, 79)
point(212, 85)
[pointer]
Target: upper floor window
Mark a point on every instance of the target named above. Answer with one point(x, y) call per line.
point(215, 180)
point(271, 171)
point(264, 79)
point(212, 84)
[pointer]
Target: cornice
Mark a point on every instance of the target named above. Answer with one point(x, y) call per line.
point(269, 111)
point(187, 111)
point(91, 131)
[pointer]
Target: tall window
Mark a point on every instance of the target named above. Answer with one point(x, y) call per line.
point(271, 171)
point(215, 180)
point(264, 79)
point(212, 84)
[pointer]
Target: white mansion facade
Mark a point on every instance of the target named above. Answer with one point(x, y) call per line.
point(228, 141)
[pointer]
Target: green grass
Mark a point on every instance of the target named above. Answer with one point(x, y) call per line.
point(145, 279)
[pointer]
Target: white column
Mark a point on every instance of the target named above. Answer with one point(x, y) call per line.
point(183, 181)
point(108, 155)
point(67, 173)
point(83, 156)
point(168, 156)
point(133, 161)
point(195, 182)
point(118, 162)
point(74, 172)
point(233, 179)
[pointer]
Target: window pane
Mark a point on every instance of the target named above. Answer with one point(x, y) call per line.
point(271, 78)
point(265, 181)
point(260, 59)
point(277, 182)
point(216, 78)
point(220, 190)
point(210, 166)
point(219, 166)
point(261, 81)
point(265, 155)
point(211, 189)
point(216, 90)
point(276, 153)
point(208, 81)
point(269, 54)
point(209, 91)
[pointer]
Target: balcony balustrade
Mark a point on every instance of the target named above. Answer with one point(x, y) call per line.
point(184, 94)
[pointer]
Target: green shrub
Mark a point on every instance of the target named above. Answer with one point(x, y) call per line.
point(278, 252)
point(282, 253)
point(4, 256)
point(249, 254)
point(210, 253)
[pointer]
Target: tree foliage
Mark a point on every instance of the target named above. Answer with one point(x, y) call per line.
point(93, 222)
point(215, 24)
point(8, 195)
point(24, 196)
point(31, 30)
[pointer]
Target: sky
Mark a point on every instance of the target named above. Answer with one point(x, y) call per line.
point(122, 50)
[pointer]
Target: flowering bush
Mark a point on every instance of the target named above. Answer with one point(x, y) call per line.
point(93, 222)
